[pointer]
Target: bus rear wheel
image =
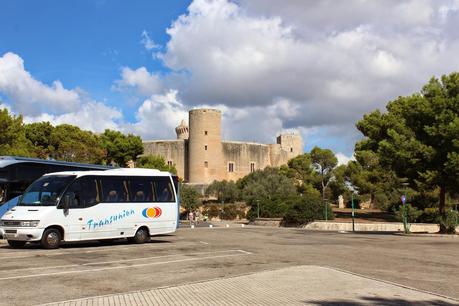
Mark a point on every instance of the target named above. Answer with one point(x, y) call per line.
point(141, 236)
point(16, 243)
point(51, 239)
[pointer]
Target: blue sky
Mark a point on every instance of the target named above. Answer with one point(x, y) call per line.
point(313, 67)
point(85, 43)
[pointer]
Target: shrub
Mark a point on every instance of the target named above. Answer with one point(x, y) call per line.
point(270, 208)
point(304, 210)
point(412, 213)
point(430, 215)
point(229, 212)
point(212, 211)
point(225, 211)
point(450, 221)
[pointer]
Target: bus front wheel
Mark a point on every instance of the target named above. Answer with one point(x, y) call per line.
point(51, 239)
point(141, 236)
point(16, 243)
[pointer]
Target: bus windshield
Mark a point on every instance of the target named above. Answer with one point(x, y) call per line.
point(45, 191)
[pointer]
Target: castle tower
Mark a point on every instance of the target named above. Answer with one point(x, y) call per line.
point(182, 130)
point(205, 146)
point(292, 143)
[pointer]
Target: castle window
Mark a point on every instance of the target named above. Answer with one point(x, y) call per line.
point(291, 149)
point(230, 167)
point(206, 164)
point(205, 132)
point(170, 163)
point(205, 147)
point(252, 167)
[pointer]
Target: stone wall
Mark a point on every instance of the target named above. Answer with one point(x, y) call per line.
point(242, 155)
point(174, 151)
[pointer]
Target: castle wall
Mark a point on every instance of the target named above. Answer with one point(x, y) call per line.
point(242, 155)
point(204, 157)
point(172, 150)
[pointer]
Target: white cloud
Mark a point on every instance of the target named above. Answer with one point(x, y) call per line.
point(93, 116)
point(147, 42)
point(158, 116)
point(29, 96)
point(56, 104)
point(143, 82)
point(302, 64)
point(343, 159)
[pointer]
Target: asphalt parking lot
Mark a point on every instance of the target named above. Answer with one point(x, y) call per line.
point(36, 276)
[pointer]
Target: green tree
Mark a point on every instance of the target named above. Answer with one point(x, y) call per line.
point(339, 184)
point(301, 170)
point(12, 135)
point(268, 189)
point(70, 143)
point(39, 134)
point(155, 162)
point(225, 191)
point(323, 161)
point(368, 177)
point(121, 148)
point(417, 136)
point(189, 197)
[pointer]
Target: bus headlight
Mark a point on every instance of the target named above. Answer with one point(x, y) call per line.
point(33, 223)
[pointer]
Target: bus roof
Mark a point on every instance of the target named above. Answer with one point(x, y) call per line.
point(116, 172)
point(10, 160)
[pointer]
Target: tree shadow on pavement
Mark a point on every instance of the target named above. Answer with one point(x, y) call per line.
point(380, 301)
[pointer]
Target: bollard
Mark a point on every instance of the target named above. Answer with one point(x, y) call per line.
point(242, 225)
point(210, 226)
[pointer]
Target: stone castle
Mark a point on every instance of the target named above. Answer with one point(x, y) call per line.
point(201, 156)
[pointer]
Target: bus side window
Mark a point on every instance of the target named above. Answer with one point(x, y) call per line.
point(83, 192)
point(114, 189)
point(163, 189)
point(140, 189)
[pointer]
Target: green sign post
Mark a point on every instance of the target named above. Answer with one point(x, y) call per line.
point(352, 205)
point(405, 219)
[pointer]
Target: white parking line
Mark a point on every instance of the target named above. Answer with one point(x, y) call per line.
point(239, 253)
point(76, 250)
point(122, 260)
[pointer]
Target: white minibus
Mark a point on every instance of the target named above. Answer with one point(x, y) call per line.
point(94, 205)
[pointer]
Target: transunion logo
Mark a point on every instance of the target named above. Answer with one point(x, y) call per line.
point(152, 212)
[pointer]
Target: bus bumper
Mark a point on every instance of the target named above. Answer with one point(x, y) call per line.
point(21, 233)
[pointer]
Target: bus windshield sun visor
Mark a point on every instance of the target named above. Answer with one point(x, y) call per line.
point(46, 191)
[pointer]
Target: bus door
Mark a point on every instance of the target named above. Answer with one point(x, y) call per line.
point(165, 199)
point(84, 196)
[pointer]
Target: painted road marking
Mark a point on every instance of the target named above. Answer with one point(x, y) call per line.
point(123, 260)
point(76, 250)
point(238, 253)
